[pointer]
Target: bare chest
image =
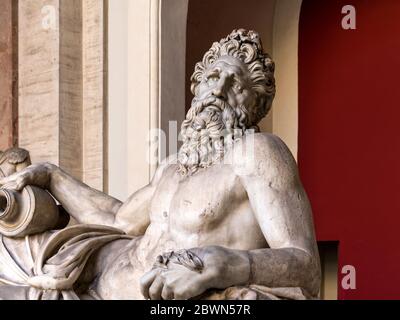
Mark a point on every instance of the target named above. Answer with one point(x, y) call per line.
point(196, 199)
point(211, 207)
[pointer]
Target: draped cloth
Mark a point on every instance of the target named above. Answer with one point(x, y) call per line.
point(257, 292)
point(47, 266)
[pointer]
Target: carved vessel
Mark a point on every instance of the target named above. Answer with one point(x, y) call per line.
point(31, 211)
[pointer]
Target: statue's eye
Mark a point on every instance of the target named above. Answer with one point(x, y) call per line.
point(212, 79)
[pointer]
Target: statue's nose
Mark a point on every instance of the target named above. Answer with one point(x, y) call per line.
point(219, 93)
point(219, 90)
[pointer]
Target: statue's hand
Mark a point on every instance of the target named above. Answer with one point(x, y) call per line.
point(188, 274)
point(38, 175)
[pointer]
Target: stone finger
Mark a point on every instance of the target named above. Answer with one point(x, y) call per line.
point(167, 293)
point(146, 281)
point(156, 289)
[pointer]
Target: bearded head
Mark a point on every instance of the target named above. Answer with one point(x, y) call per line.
point(234, 87)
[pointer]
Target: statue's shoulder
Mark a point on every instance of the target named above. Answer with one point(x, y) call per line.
point(167, 163)
point(264, 144)
point(264, 140)
point(257, 150)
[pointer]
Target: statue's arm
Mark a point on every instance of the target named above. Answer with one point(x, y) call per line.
point(88, 205)
point(284, 214)
point(85, 204)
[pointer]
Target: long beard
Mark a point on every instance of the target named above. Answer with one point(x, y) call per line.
point(210, 129)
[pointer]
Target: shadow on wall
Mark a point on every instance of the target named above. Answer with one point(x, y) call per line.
point(328, 253)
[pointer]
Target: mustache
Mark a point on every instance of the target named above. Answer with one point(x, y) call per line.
point(211, 103)
point(210, 109)
point(214, 114)
point(203, 112)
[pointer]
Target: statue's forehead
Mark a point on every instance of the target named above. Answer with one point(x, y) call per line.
point(229, 63)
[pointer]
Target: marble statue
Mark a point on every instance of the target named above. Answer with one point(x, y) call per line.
point(204, 228)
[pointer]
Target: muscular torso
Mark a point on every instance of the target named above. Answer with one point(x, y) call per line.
point(209, 208)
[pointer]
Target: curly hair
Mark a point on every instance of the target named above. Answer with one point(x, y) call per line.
point(246, 46)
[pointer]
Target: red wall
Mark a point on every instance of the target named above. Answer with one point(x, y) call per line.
point(349, 137)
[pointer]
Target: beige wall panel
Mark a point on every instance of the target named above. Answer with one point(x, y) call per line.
point(147, 41)
point(130, 95)
point(139, 94)
point(39, 53)
point(118, 98)
point(172, 72)
point(285, 52)
point(70, 79)
point(94, 93)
